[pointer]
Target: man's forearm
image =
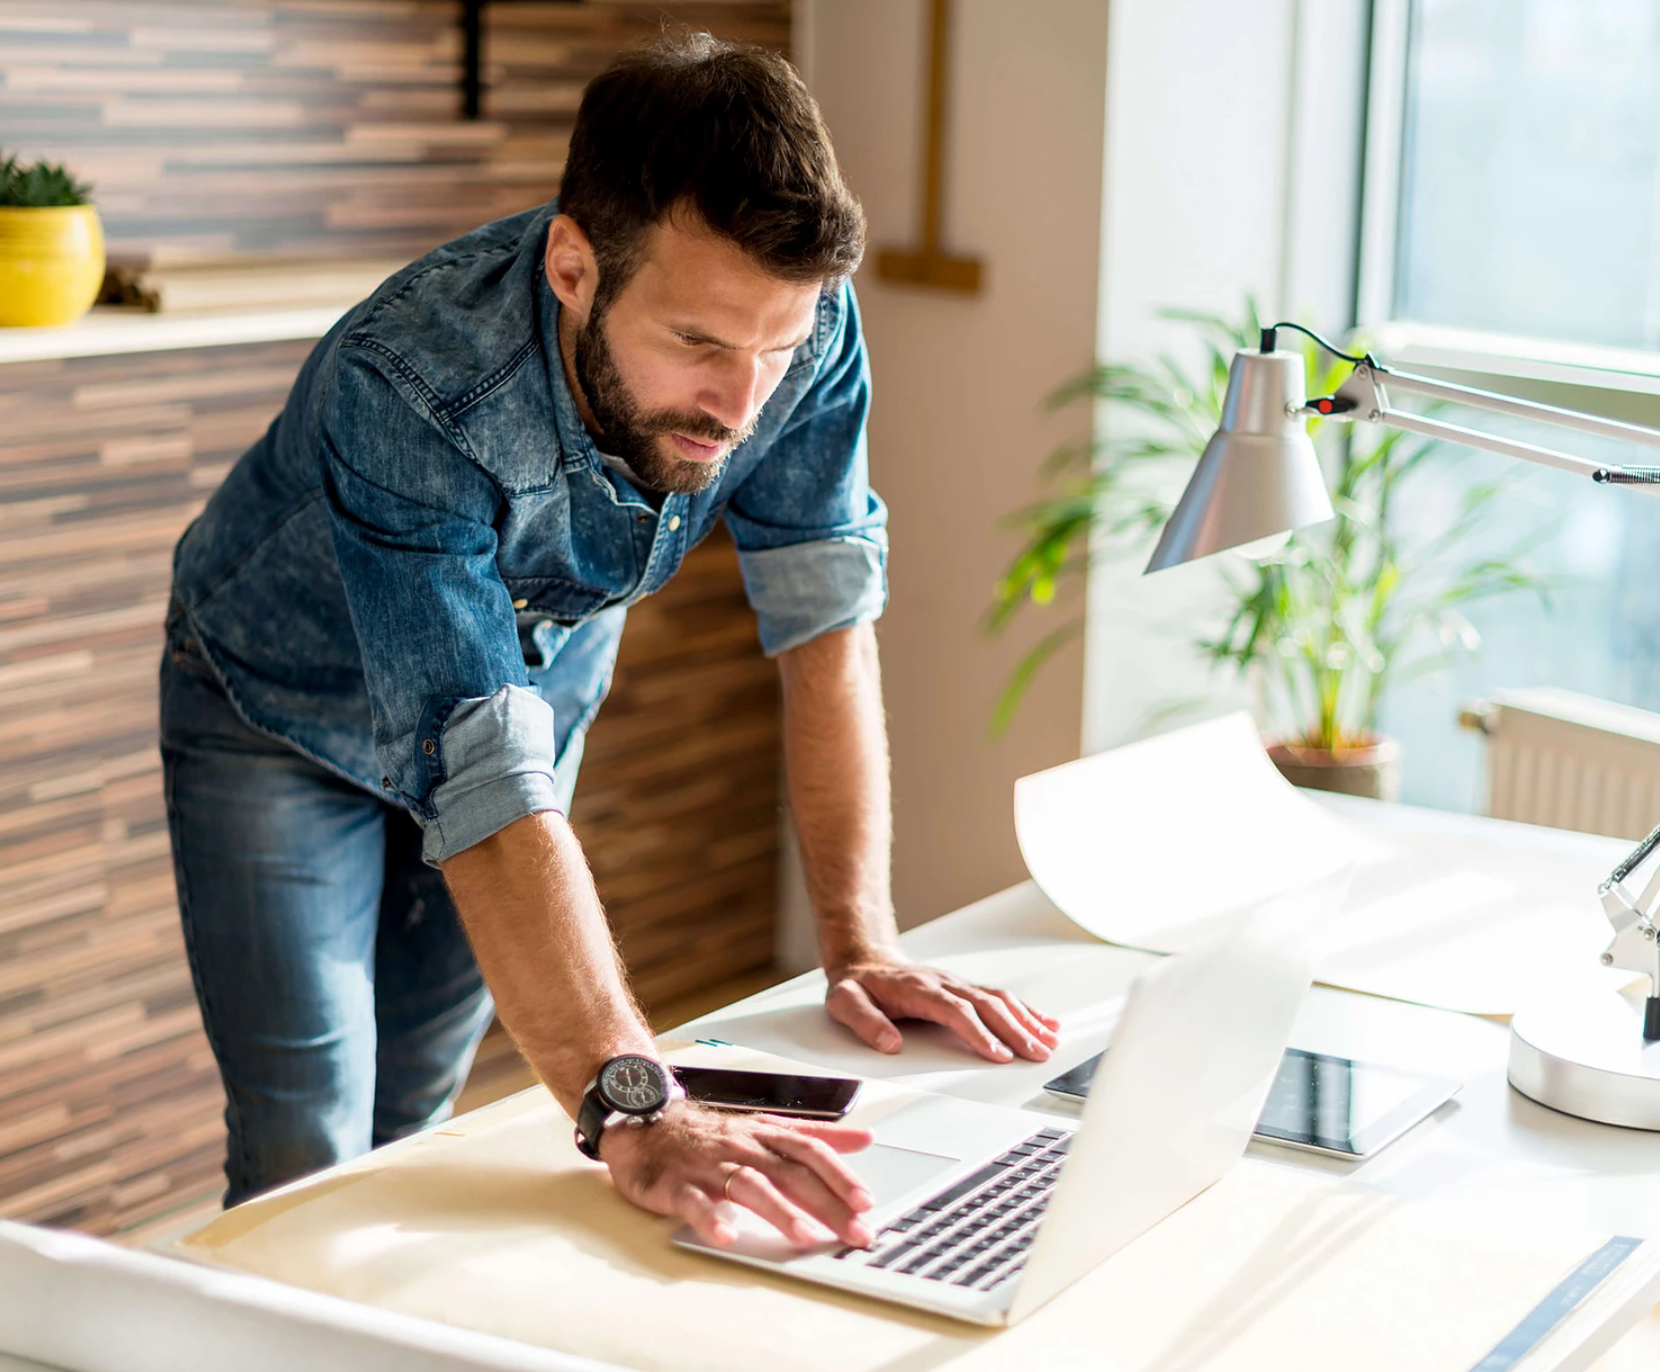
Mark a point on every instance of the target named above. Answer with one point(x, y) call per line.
point(541, 939)
point(836, 756)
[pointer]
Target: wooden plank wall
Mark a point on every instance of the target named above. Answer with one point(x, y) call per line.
point(109, 1103)
point(234, 129)
point(230, 128)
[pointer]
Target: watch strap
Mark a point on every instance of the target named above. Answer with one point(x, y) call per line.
point(590, 1123)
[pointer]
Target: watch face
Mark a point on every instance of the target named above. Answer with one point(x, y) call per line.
point(635, 1086)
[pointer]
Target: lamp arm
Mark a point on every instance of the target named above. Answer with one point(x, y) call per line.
point(1474, 438)
point(1411, 384)
point(1633, 860)
point(1635, 946)
point(1363, 396)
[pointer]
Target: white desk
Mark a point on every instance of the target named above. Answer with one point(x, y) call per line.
point(381, 1231)
point(1488, 1135)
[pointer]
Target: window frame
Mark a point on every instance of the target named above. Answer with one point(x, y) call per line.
point(1412, 342)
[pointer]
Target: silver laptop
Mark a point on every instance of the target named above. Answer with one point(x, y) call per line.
point(985, 1213)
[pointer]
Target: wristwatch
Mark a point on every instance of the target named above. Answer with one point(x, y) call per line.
point(629, 1085)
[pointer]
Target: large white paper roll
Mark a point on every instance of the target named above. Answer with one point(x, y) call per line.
point(1152, 844)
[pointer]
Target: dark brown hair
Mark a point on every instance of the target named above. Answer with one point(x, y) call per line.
point(724, 130)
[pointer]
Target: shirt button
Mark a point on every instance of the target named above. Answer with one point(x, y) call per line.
point(674, 523)
point(429, 747)
point(520, 604)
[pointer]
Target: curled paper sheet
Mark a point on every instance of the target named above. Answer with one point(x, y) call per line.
point(1152, 844)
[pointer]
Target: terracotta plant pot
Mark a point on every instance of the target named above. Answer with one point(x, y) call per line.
point(1372, 770)
point(51, 264)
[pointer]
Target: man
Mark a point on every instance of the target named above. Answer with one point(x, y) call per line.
point(397, 617)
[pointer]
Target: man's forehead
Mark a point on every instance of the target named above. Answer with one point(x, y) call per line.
point(690, 276)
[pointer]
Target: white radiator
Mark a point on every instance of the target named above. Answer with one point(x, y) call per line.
point(1570, 761)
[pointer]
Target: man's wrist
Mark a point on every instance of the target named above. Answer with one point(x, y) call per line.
point(842, 950)
point(570, 1073)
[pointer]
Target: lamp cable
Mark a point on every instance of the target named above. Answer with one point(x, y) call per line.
point(1269, 341)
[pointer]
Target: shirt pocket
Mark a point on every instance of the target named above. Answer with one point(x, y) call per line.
point(556, 598)
point(547, 610)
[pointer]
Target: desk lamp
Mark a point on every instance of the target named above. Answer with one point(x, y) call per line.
point(1588, 1051)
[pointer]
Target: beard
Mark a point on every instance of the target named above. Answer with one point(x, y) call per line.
point(638, 437)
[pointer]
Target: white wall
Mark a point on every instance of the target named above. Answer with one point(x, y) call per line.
point(957, 430)
point(1233, 135)
point(1228, 133)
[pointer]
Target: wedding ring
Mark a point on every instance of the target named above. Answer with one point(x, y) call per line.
point(726, 1186)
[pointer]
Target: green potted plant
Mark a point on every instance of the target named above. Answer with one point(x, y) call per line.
point(1320, 626)
point(51, 245)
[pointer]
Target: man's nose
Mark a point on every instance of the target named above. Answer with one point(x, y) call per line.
point(736, 394)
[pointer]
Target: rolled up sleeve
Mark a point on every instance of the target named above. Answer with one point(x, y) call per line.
point(811, 533)
point(497, 766)
point(466, 745)
point(803, 590)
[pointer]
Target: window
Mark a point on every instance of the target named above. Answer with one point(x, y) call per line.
point(1513, 188)
point(1530, 169)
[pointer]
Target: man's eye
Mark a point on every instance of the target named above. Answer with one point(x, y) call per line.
point(689, 340)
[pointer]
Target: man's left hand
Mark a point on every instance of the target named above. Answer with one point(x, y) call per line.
point(869, 996)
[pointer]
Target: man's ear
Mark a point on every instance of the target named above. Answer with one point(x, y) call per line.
point(572, 271)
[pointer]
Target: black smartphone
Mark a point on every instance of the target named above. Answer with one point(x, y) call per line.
point(775, 1093)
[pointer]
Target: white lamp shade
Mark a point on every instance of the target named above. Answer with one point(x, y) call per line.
point(1259, 475)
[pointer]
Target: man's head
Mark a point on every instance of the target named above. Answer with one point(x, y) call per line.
point(701, 214)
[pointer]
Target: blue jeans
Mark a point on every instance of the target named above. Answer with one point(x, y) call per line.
point(337, 988)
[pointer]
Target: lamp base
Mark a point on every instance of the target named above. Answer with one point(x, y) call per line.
point(1584, 1053)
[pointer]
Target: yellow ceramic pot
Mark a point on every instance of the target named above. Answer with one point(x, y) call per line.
point(51, 264)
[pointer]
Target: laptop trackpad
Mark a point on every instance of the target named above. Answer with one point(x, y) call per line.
point(891, 1172)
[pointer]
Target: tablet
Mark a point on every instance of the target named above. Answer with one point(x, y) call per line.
point(1324, 1103)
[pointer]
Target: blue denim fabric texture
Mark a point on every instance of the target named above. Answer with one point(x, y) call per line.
point(337, 989)
point(417, 578)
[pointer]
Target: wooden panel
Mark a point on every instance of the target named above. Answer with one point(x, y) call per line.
point(217, 129)
point(109, 1101)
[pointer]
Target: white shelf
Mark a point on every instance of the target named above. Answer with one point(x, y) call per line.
point(108, 330)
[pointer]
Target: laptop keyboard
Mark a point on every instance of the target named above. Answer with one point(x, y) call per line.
point(977, 1232)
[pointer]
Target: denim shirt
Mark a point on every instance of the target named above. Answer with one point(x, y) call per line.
point(418, 576)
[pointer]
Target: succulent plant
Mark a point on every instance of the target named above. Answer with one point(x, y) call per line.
point(44, 185)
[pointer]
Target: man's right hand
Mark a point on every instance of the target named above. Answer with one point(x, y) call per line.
point(689, 1159)
point(540, 936)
